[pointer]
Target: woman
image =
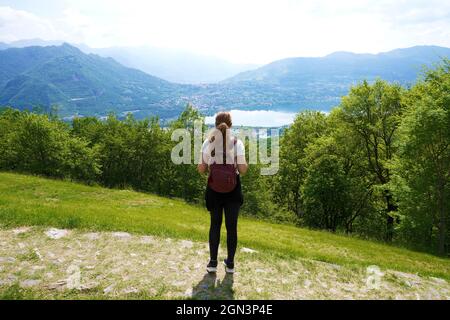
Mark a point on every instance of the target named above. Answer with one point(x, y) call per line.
point(229, 150)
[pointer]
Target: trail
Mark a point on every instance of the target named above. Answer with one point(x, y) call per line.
point(50, 263)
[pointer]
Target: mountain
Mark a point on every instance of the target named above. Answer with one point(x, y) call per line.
point(88, 84)
point(82, 84)
point(173, 65)
point(399, 65)
point(294, 83)
point(34, 43)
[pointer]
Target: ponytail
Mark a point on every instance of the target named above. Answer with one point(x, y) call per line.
point(223, 124)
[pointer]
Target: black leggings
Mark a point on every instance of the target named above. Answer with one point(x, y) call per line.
point(231, 217)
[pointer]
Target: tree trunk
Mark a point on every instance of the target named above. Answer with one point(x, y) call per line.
point(391, 207)
point(442, 220)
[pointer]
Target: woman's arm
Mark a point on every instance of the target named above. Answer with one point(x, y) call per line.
point(202, 167)
point(242, 165)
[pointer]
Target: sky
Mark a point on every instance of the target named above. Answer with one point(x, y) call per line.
point(240, 31)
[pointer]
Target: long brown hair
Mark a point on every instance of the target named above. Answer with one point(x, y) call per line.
point(223, 123)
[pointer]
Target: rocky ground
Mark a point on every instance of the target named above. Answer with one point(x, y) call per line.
point(48, 263)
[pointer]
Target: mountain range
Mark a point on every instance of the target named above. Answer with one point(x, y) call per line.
point(173, 65)
point(89, 84)
point(82, 84)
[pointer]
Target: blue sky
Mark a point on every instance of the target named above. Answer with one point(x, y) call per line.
point(242, 31)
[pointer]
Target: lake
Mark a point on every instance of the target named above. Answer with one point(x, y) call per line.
point(258, 118)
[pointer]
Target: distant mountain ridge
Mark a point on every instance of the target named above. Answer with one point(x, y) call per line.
point(82, 84)
point(318, 83)
point(399, 65)
point(88, 84)
point(174, 65)
point(169, 64)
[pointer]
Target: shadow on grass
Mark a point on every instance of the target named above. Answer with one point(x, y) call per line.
point(210, 288)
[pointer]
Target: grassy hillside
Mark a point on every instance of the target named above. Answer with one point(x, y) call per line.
point(27, 201)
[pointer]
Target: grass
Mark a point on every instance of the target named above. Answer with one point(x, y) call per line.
point(15, 292)
point(28, 200)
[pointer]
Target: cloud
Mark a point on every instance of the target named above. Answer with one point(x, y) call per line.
point(81, 28)
point(250, 31)
point(18, 25)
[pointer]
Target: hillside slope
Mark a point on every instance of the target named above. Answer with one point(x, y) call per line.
point(82, 84)
point(319, 83)
point(317, 260)
point(174, 65)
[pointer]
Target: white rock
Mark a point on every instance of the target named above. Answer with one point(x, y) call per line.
point(29, 283)
point(248, 250)
point(12, 278)
point(57, 285)
point(92, 236)
point(109, 289)
point(37, 268)
point(148, 240)
point(187, 244)
point(438, 280)
point(36, 251)
point(307, 283)
point(56, 233)
point(188, 292)
point(130, 290)
point(7, 259)
point(122, 235)
point(21, 230)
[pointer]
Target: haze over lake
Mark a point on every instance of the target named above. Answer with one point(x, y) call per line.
point(258, 118)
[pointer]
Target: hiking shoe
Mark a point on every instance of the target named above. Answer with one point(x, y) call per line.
point(229, 266)
point(212, 266)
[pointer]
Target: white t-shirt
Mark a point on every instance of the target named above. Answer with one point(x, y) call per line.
point(238, 152)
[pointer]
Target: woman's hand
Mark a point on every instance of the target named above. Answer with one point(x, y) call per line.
point(202, 168)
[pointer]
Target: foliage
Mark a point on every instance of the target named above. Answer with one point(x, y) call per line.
point(423, 163)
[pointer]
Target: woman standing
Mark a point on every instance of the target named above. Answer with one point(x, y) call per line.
point(223, 156)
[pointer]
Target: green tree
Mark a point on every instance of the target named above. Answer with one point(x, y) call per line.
point(41, 144)
point(423, 163)
point(373, 113)
point(183, 180)
point(336, 192)
point(308, 126)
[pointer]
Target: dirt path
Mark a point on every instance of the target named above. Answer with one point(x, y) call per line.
point(51, 263)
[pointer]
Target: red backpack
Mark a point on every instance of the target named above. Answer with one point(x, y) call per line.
point(222, 177)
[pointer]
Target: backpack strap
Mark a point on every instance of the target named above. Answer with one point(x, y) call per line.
point(235, 158)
